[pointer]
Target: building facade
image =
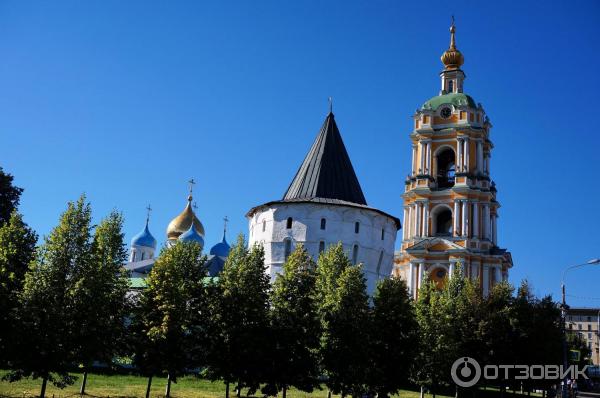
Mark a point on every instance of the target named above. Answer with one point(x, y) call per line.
point(586, 322)
point(324, 205)
point(450, 206)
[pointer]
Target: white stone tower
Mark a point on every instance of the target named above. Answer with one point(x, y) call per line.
point(324, 205)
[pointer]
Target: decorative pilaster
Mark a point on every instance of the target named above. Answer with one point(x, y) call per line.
point(497, 275)
point(494, 230)
point(486, 280)
point(465, 213)
point(414, 219)
point(419, 219)
point(459, 160)
point(422, 157)
point(476, 220)
point(428, 158)
point(410, 222)
point(455, 231)
point(479, 156)
point(405, 218)
point(426, 219)
point(411, 279)
point(466, 152)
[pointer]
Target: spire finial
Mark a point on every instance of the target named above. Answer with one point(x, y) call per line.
point(452, 31)
point(148, 210)
point(452, 58)
point(330, 99)
point(225, 221)
point(192, 183)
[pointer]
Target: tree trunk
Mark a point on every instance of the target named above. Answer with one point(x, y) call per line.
point(148, 387)
point(226, 389)
point(422, 395)
point(284, 392)
point(328, 393)
point(239, 390)
point(44, 382)
point(168, 389)
point(83, 382)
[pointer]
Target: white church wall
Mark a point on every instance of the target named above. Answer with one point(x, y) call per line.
point(340, 227)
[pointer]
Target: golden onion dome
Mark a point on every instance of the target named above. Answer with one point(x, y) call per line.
point(452, 58)
point(183, 222)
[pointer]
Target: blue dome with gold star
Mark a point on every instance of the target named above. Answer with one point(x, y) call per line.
point(191, 235)
point(144, 238)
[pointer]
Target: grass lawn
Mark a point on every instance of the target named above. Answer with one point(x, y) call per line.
point(116, 386)
point(121, 386)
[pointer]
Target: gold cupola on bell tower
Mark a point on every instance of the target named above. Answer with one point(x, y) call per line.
point(452, 76)
point(452, 58)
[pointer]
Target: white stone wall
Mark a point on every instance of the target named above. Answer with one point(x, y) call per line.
point(340, 226)
point(136, 253)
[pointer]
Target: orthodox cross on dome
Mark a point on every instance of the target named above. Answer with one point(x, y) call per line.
point(148, 210)
point(192, 183)
point(225, 221)
point(330, 99)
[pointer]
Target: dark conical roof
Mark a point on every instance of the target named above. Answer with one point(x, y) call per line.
point(326, 172)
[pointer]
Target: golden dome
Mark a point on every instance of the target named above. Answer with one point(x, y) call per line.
point(452, 58)
point(183, 221)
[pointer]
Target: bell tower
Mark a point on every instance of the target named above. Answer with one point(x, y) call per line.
point(450, 206)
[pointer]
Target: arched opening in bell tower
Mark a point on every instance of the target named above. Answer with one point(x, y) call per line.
point(442, 221)
point(446, 168)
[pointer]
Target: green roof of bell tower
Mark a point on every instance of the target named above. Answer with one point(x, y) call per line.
point(456, 99)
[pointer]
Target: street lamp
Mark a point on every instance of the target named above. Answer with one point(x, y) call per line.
point(563, 313)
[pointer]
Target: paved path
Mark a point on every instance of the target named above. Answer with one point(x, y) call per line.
point(583, 394)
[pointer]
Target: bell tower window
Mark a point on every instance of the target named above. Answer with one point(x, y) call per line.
point(450, 86)
point(446, 168)
point(288, 224)
point(443, 222)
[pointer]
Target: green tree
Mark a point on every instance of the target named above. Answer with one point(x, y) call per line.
point(345, 322)
point(240, 319)
point(170, 312)
point(495, 332)
point(294, 326)
point(47, 304)
point(101, 304)
point(17, 250)
point(394, 335)
point(446, 325)
point(9, 196)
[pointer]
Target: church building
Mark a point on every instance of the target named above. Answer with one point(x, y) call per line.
point(185, 227)
point(323, 205)
point(450, 206)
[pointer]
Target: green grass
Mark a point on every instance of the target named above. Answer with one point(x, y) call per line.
point(127, 386)
point(122, 386)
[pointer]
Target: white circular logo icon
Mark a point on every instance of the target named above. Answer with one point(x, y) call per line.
point(466, 372)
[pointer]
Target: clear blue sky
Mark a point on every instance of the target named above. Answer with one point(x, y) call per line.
point(127, 100)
